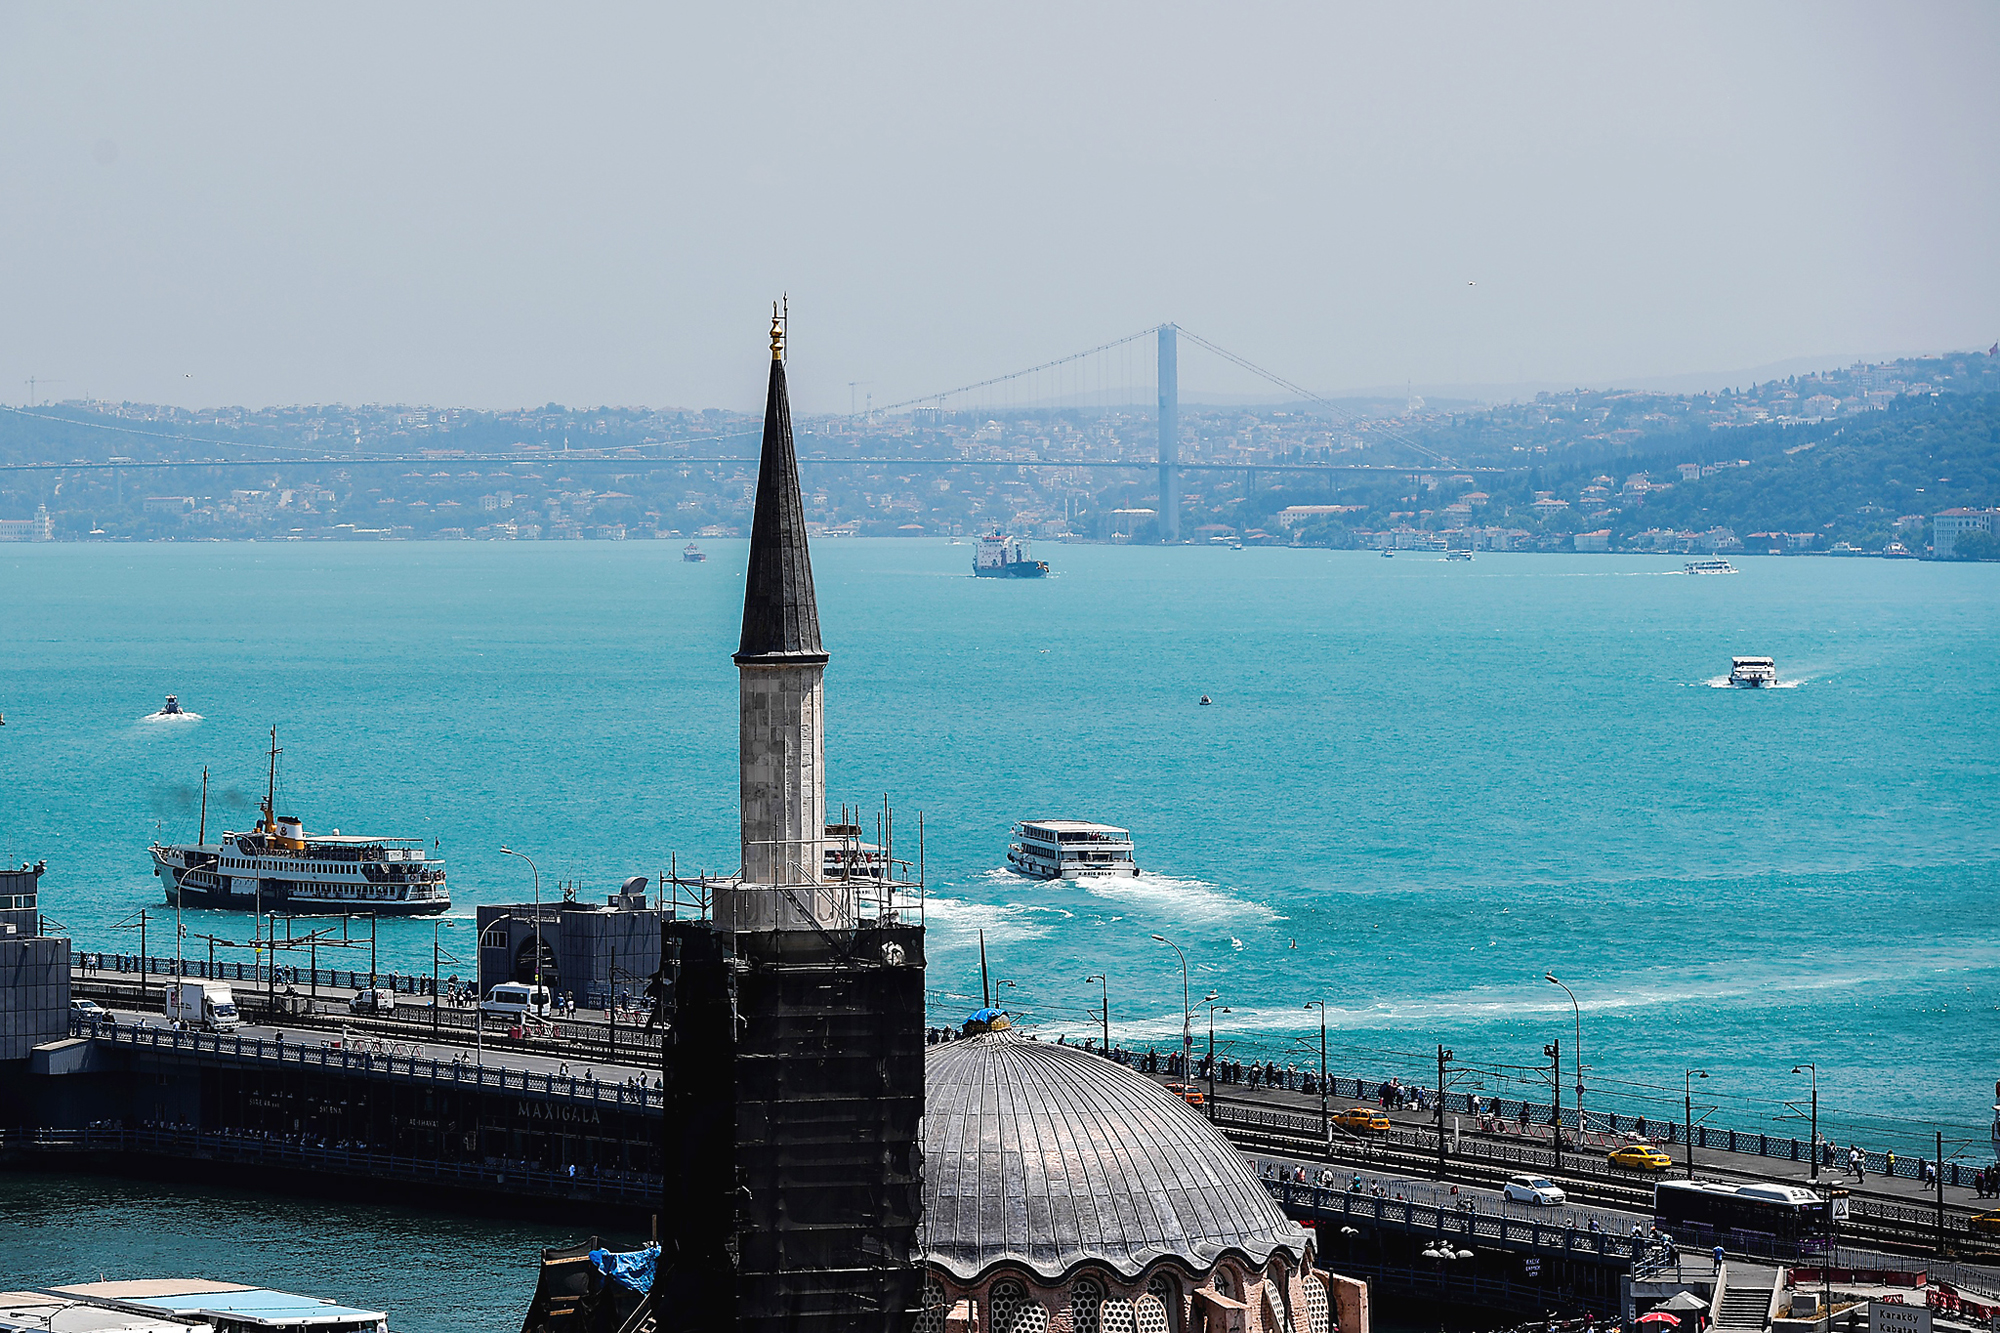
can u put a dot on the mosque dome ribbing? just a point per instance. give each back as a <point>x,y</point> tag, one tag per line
<point>1048,1158</point>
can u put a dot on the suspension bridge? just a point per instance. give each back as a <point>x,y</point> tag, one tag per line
<point>1109,377</point>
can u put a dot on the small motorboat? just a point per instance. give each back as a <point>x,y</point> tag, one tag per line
<point>1206,701</point>
<point>171,711</point>
<point>1751,673</point>
<point>693,554</point>
<point>1388,554</point>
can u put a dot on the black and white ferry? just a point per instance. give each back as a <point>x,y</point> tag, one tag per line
<point>1752,673</point>
<point>279,867</point>
<point>1071,849</point>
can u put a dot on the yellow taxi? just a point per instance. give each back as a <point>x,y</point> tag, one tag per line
<point>1188,1093</point>
<point>1363,1120</point>
<point>1639,1157</point>
<point>1985,1223</point>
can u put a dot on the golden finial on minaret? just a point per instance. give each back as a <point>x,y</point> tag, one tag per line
<point>777,334</point>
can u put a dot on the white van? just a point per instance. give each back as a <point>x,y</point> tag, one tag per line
<point>516,999</point>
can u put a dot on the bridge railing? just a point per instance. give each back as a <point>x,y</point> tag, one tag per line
<point>381,1059</point>
<point>590,995</point>
<point>1279,1129</point>
<point>247,1149</point>
<point>1332,1206</point>
<point>1599,1129</point>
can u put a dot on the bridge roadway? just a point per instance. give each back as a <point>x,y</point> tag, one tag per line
<point>652,464</point>
<point>1890,1211</point>
<point>414,1058</point>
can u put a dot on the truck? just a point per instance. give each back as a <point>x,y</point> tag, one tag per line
<point>202,1004</point>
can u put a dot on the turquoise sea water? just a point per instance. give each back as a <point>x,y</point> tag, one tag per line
<point>432,1274</point>
<point>1420,787</point>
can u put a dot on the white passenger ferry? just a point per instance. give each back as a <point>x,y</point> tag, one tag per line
<point>1070,849</point>
<point>278,867</point>
<point>1752,673</point>
<point>1708,567</point>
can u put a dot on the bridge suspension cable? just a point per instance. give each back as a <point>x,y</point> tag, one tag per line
<point>1304,392</point>
<point>1022,374</point>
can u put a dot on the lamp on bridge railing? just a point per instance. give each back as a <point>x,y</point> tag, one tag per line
<point>1687,1108</point>
<point>1209,1002</point>
<point>1325,1118</point>
<point>1576,1055</point>
<point>1104,1013</point>
<point>1800,1069</point>
<point>1187,1012</point>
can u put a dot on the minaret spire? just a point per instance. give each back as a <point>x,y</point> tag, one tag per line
<point>780,614</point>
<point>781,665</point>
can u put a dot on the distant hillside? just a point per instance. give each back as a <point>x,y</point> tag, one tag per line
<point>1919,457</point>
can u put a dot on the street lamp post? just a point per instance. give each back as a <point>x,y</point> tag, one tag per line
<point>1814,1069</point>
<point>509,851</point>
<point>1325,1118</point>
<point>1210,1003</point>
<point>1554,1050</point>
<point>1687,1111</point>
<point>1104,1013</point>
<point>1187,1012</point>
<point>1576,1054</point>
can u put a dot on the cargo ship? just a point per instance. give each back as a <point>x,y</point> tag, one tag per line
<point>1002,557</point>
<point>278,867</point>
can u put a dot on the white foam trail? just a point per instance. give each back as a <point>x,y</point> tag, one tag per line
<point>1191,898</point>
<point>1722,683</point>
<point>182,716</point>
<point>1004,923</point>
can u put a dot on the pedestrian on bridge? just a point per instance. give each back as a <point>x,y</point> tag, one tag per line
<point>1718,1258</point>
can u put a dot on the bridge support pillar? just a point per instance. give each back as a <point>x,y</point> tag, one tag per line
<point>1170,435</point>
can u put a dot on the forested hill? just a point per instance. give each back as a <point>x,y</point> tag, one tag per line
<point>1919,457</point>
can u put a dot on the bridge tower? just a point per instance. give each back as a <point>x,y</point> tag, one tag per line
<point>1170,435</point>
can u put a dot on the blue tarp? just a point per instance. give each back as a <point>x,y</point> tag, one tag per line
<point>985,1015</point>
<point>633,1268</point>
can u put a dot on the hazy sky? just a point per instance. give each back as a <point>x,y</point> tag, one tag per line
<point>495,205</point>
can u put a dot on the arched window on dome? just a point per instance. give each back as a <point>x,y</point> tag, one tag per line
<point>1003,1302</point>
<point>1010,1309</point>
<point>1278,1295</point>
<point>1086,1305</point>
<point>936,1307</point>
<point>1224,1284</point>
<point>1318,1316</point>
<point>1166,1291</point>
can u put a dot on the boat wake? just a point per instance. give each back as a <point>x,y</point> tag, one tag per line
<point>1722,683</point>
<point>182,716</point>
<point>963,919</point>
<point>1190,899</point>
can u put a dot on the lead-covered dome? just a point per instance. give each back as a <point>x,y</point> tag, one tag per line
<point>1047,1157</point>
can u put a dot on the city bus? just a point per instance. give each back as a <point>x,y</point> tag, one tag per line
<point>1756,1216</point>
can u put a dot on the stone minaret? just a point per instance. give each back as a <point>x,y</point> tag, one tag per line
<point>781,666</point>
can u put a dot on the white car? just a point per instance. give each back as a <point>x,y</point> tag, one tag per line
<point>90,1009</point>
<point>1535,1190</point>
